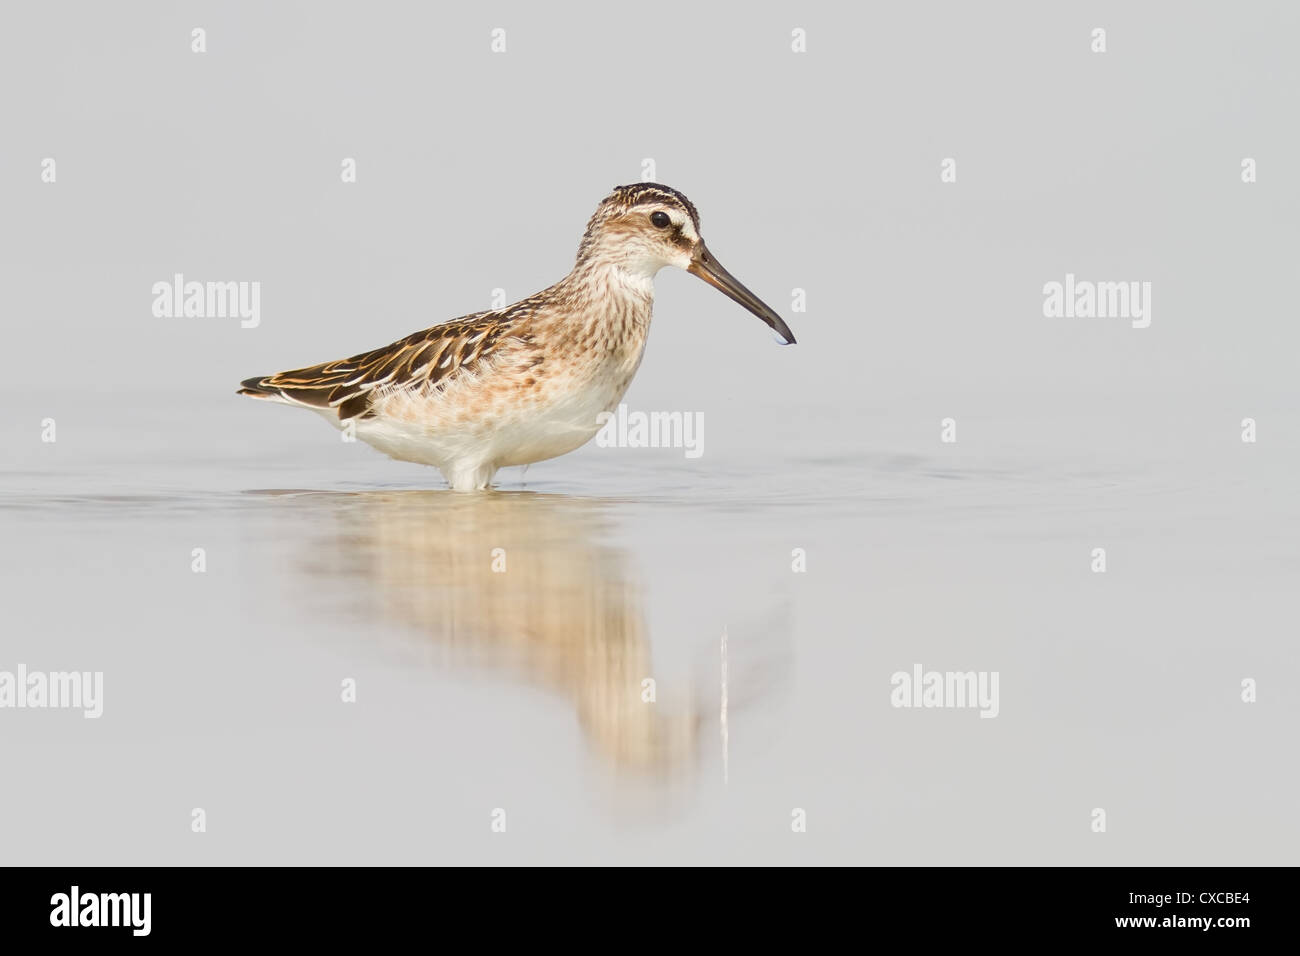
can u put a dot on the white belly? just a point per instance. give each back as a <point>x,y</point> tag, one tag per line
<point>469,437</point>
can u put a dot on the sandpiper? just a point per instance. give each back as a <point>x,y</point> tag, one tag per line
<point>527,382</point>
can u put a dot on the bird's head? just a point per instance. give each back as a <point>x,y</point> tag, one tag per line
<point>642,227</point>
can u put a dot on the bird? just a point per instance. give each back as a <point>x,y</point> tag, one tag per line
<point>530,381</point>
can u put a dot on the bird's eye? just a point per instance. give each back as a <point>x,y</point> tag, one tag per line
<point>660,220</point>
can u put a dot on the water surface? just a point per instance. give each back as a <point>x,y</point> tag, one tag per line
<point>500,643</point>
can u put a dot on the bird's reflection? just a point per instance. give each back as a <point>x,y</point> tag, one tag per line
<point>524,582</point>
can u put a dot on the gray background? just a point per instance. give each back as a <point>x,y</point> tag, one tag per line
<point>818,171</point>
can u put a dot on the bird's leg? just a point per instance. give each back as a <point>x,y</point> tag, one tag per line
<point>470,477</point>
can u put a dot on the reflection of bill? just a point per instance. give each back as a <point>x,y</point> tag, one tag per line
<point>520,581</point>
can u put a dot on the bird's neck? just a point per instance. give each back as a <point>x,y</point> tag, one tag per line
<point>607,280</point>
<point>606,303</point>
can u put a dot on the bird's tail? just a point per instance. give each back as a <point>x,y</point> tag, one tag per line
<point>257,388</point>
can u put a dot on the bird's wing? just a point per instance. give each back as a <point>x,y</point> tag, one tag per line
<point>428,359</point>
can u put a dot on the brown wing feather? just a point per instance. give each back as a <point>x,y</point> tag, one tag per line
<point>424,359</point>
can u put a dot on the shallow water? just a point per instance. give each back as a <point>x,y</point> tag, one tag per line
<point>499,642</point>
